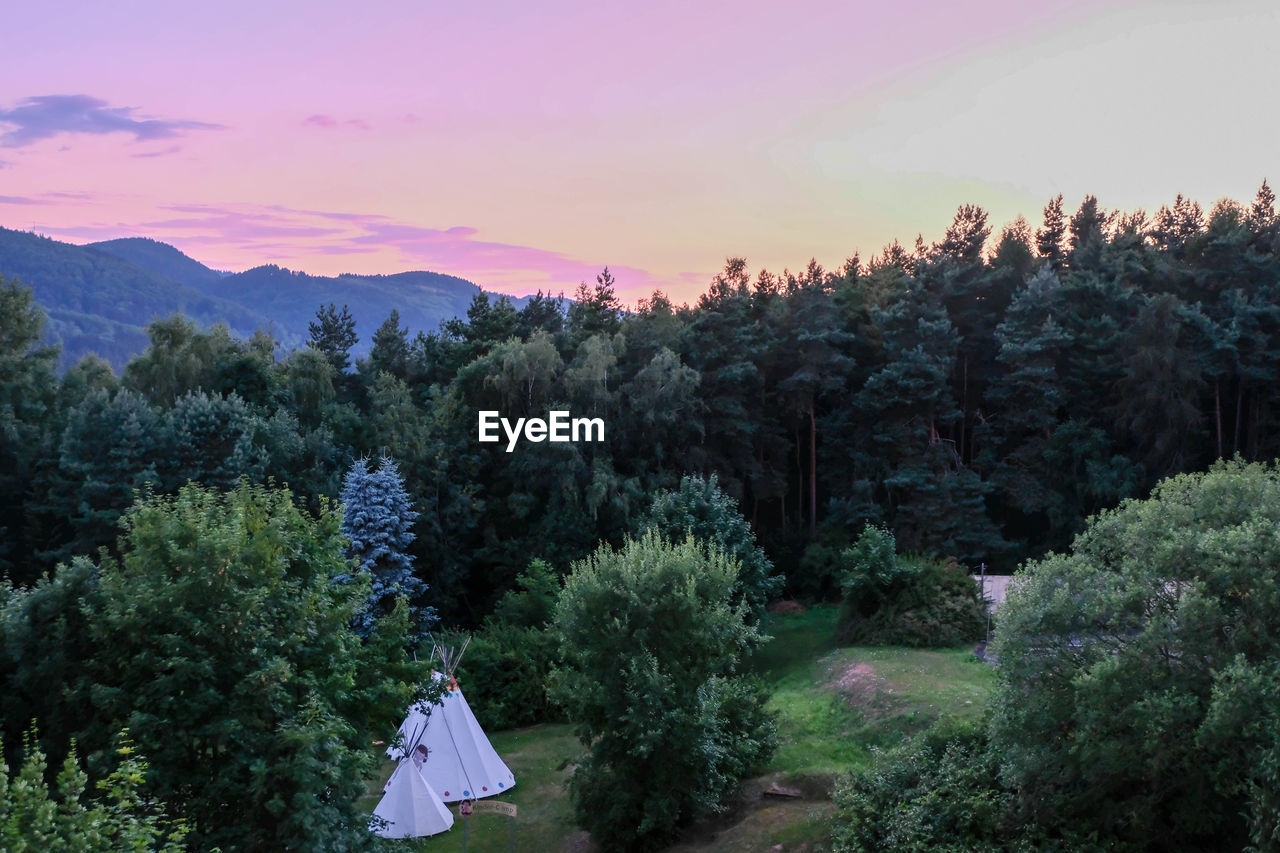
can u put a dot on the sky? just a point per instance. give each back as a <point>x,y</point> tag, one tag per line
<point>525,146</point>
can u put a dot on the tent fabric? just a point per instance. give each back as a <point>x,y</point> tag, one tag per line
<point>461,763</point>
<point>409,806</point>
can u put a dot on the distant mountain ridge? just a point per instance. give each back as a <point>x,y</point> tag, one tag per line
<point>100,297</point>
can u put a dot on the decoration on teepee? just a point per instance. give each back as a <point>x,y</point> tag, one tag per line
<point>463,764</point>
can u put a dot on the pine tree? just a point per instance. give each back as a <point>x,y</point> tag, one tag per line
<point>376,519</point>
<point>595,309</point>
<point>26,397</point>
<point>333,334</point>
<point>1049,238</point>
<point>390,350</point>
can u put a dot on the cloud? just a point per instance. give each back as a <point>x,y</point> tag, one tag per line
<point>172,149</point>
<point>328,122</point>
<point>46,116</point>
<point>238,224</point>
<point>17,199</point>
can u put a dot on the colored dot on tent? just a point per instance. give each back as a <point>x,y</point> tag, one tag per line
<point>501,785</point>
<point>446,793</point>
<point>485,788</point>
<point>466,793</point>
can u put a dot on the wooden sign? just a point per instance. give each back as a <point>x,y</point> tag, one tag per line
<point>508,809</point>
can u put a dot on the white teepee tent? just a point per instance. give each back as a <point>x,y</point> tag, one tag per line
<point>409,806</point>
<point>462,764</point>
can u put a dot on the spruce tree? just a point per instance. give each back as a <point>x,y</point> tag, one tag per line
<point>376,519</point>
<point>390,350</point>
<point>1049,238</point>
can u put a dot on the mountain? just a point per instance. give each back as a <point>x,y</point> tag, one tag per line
<point>99,302</point>
<point>100,297</point>
<point>161,258</point>
<point>291,298</point>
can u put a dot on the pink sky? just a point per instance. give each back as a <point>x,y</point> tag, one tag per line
<point>526,145</point>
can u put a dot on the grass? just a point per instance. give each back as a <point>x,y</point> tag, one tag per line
<point>833,705</point>
<point>538,757</point>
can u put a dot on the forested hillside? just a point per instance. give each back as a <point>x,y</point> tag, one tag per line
<point>99,302</point>
<point>100,297</point>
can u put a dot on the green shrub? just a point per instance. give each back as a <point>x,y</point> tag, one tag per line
<point>1139,678</point>
<point>905,601</point>
<point>34,819</point>
<point>219,639</point>
<point>652,646</point>
<point>940,791</point>
<point>504,672</point>
<point>700,509</point>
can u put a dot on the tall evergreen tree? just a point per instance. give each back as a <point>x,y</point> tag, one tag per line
<point>334,334</point>
<point>377,517</point>
<point>389,352</point>
<point>26,397</point>
<point>1049,238</point>
<point>595,309</point>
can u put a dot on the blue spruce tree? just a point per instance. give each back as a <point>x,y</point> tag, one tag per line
<point>376,518</point>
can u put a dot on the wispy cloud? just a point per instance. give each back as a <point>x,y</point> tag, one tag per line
<point>46,116</point>
<point>172,149</point>
<point>18,199</point>
<point>328,122</point>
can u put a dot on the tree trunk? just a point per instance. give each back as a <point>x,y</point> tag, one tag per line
<point>1217,414</point>
<point>1235,448</point>
<point>964,406</point>
<point>800,481</point>
<point>813,473</point>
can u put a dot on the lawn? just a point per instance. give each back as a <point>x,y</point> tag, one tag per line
<point>833,705</point>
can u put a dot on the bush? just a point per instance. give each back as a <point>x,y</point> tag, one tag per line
<point>701,510</point>
<point>940,791</point>
<point>220,641</point>
<point>504,674</point>
<point>508,660</point>
<point>906,601</point>
<point>34,819</point>
<point>1139,679</point>
<point>652,645</point>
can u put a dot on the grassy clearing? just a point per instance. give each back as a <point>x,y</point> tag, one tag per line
<point>538,757</point>
<point>833,705</point>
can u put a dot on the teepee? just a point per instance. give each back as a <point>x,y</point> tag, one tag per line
<point>462,764</point>
<point>409,806</point>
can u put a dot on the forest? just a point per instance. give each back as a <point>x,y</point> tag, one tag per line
<point>977,399</point>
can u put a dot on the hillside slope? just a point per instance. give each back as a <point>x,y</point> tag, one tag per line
<point>99,302</point>
<point>100,297</point>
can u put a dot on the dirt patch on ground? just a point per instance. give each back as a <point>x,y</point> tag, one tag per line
<point>785,606</point>
<point>580,842</point>
<point>751,816</point>
<point>860,686</point>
